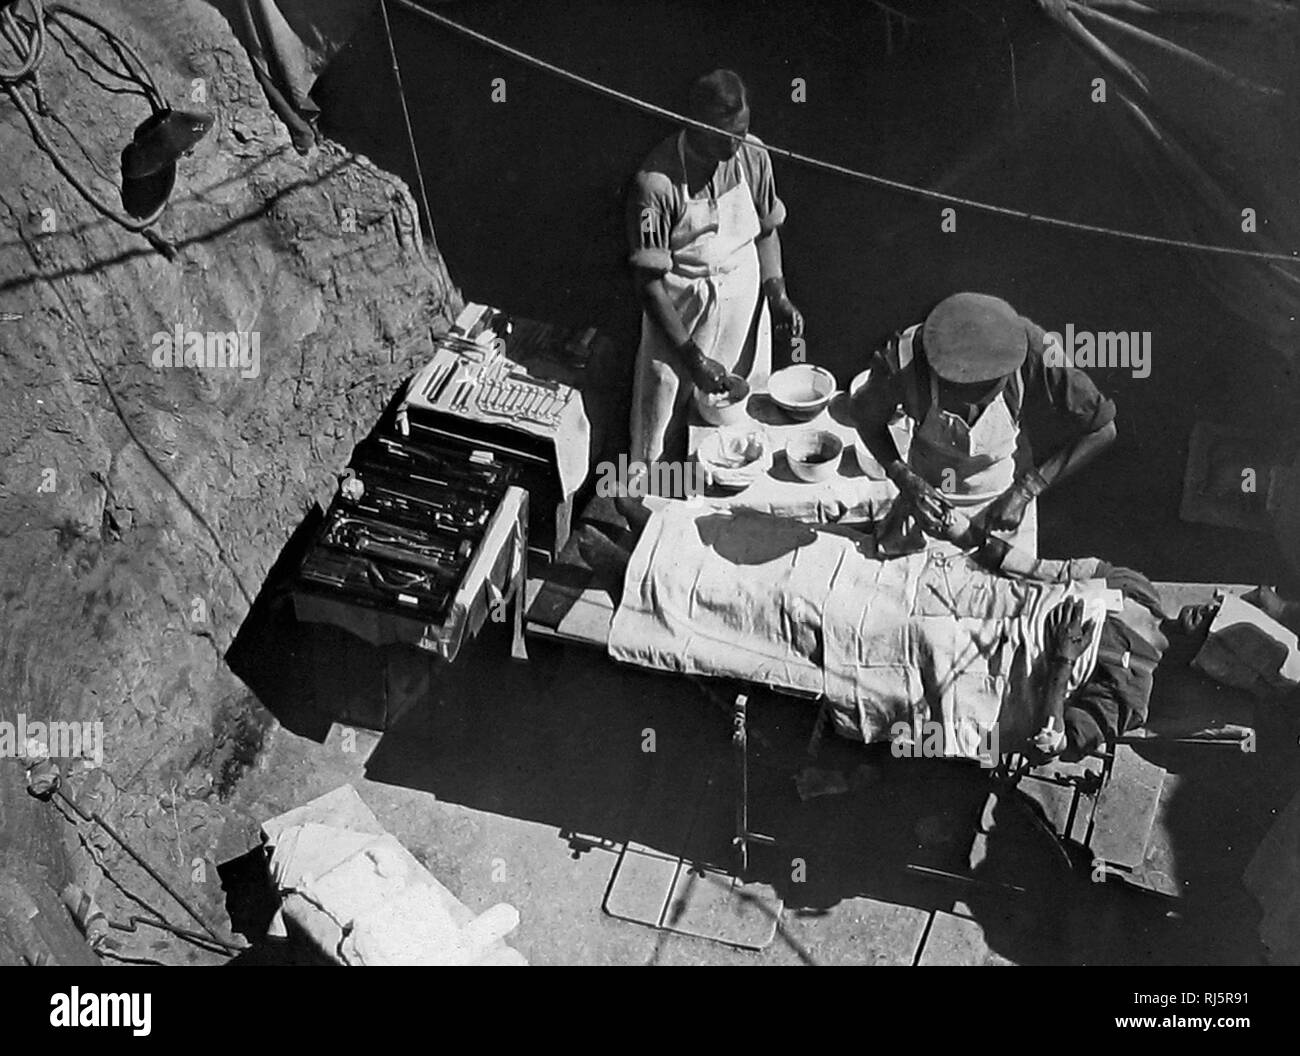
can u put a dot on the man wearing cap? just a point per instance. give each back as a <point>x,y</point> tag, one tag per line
<point>966,378</point>
<point>703,215</point>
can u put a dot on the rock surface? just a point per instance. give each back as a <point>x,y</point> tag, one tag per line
<point>141,506</point>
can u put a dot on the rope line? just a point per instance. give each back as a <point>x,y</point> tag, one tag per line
<point>833,167</point>
<point>410,132</point>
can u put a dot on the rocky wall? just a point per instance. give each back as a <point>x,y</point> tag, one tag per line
<point>141,503</point>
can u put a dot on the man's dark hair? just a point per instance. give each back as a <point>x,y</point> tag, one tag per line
<point>721,92</point>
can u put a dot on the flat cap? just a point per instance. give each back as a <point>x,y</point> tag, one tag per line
<point>972,337</point>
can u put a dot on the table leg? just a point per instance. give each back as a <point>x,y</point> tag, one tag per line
<point>740,744</point>
<point>518,648</point>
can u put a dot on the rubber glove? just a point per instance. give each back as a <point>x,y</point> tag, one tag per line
<point>933,512</point>
<point>708,374</point>
<point>1008,510</point>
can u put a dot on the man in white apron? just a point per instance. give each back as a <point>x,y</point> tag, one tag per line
<point>703,219</point>
<point>965,378</point>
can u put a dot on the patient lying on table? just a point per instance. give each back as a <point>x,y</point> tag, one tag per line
<point>998,651</point>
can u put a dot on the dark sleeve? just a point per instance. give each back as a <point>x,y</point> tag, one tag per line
<point>1116,697</point>
<point>650,218</point>
<point>1083,736</point>
<point>1101,709</point>
<point>770,208</point>
<point>1065,392</point>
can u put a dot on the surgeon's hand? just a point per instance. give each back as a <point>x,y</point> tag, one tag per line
<point>708,374</point>
<point>1067,634</point>
<point>1008,509</point>
<point>932,510</point>
<point>957,528</point>
<point>786,318</point>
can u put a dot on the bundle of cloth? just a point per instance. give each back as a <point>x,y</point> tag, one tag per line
<point>360,898</point>
<point>933,646</point>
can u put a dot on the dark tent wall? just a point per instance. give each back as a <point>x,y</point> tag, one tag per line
<point>983,100</point>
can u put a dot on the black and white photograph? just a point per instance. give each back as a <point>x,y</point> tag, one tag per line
<point>651,483</point>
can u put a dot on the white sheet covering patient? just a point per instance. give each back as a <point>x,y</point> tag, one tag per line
<point>928,640</point>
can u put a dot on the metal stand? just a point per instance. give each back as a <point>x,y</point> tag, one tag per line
<point>740,746</point>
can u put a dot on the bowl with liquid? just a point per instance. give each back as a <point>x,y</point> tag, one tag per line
<point>814,455</point>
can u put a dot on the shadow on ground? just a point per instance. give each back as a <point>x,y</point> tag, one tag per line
<point>608,755</point>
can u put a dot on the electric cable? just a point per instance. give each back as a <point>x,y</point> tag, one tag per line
<point>29,41</point>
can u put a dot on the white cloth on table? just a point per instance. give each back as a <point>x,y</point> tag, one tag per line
<point>849,497</point>
<point>854,493</point>
<point>930,638</point>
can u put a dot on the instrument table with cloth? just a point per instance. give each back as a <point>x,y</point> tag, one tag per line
<point>854,495</point>
<point>521,397</point>
<point>564,604</point>
<point>858,493</point>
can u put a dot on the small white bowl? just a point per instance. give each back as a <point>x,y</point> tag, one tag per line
<point>858,382</point>
<point>725,408</point>
<point>802,391</point>
<point>814,455</point>
<point>734,458</point>
<point>866,460</point>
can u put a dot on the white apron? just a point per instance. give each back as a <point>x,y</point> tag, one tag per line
<point>714,285</point>
<point>972,465</point>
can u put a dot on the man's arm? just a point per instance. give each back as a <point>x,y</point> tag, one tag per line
<point>1067,635</point>
<point>1052,740</point>
<point>784,313</point>
<point>1071,395</point>
<point>1067,639</point>
<point>1074,456</point>
<point>770,266</point>
<point>708,374</point>
<point>650,223</point>
<point>650,217</point>
<point>771,215</point>
<point>1006,513</point>
<point>873,407</point>
<point>880,442</point>
<point>659,306</point>
<point>997,555</point>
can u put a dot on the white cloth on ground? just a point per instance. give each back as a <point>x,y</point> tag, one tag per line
<point>361,898</point>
